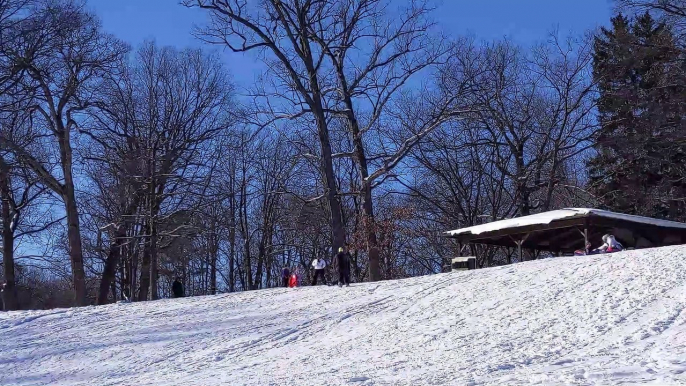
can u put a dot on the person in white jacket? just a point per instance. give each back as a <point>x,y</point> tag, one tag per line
<point>319,266</point>
<point>610,244</point>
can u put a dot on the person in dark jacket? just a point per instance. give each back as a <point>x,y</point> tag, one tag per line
<point>2,296</point>
<point>343,264</point>
<point>177,289</point>
<point>285,276</point>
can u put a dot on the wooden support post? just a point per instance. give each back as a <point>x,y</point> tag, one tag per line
<point>586,240</point>
<point>585,234</point>
<point>519,246</point>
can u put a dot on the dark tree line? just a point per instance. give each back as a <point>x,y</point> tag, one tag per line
<point>639,66</point>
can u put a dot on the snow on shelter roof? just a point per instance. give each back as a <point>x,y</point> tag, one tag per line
<point>561,214</point>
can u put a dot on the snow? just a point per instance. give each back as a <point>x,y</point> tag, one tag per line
<point>593,320</point>
<point>561,214</point>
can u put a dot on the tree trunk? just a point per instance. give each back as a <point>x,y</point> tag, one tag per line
<point>114,254</point>
<point>267,229</point>
<point>124,279</point>
<point>261,255</point>
<point>113,257</point>
<point>370,230</point>
<point>247,266</point>
<point>232,242</point>
<point>214,250</point>
<point>551,182</point>
<point>144,282</point>
<point>9,294</point>
<point>75,248</point>
<point>367,205</point>
<point>134,251</point>
<point>337,228</point>
<point>522,191</point>
<point>368,222</point>
<point>113,288</point>
<point>154,295</point>
<point>73,225</point>
<point>331,190</point>
<point>184,276</point>
<point>148,280</point>
<point>268,270</point>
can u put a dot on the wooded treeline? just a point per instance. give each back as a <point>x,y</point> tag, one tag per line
<point>123,168</point>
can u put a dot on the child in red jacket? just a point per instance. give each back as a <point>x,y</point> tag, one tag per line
<point>293,282</point>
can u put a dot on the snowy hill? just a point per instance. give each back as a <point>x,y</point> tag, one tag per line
<point>584,320</point>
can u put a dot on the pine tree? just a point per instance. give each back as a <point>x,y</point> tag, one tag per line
<point>639,167</point>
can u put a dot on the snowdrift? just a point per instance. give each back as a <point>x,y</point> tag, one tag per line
<point>583,320</point>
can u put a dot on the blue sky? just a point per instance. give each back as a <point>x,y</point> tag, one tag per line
<point>524,21</point>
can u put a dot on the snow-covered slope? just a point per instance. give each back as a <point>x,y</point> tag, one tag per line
<point>583,320</point>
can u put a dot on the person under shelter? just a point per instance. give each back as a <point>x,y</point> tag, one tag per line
<point>610,245</point>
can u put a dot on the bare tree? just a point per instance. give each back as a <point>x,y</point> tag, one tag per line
<point>11,17</point>
<point>517,153</point>
<point>400,48</point>
<point>673,11</point>
<point>345,61</point>
<point>8,13</point>
<point>113,200</point>
<point>281,29</point>
<point>11,209</point>
<point>535,114</point>
<point>64,55</point>
<point>158,125</point>
<point>21,195</point>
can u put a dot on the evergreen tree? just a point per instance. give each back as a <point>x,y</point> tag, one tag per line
<point>639,166</point>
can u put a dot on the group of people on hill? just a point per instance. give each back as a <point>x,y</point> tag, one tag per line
<point>290,278</point>
<point>610,245</point>
<point>341,262</point>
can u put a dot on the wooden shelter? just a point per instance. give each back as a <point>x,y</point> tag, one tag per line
<point>566,230</point>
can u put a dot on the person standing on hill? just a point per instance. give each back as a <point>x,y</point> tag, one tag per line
<point>319,266</point>
<point>2,296</point>
<point>293,282</point>
<point>342,261</point>
<point>285,276</point>
<point>177,289</point>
